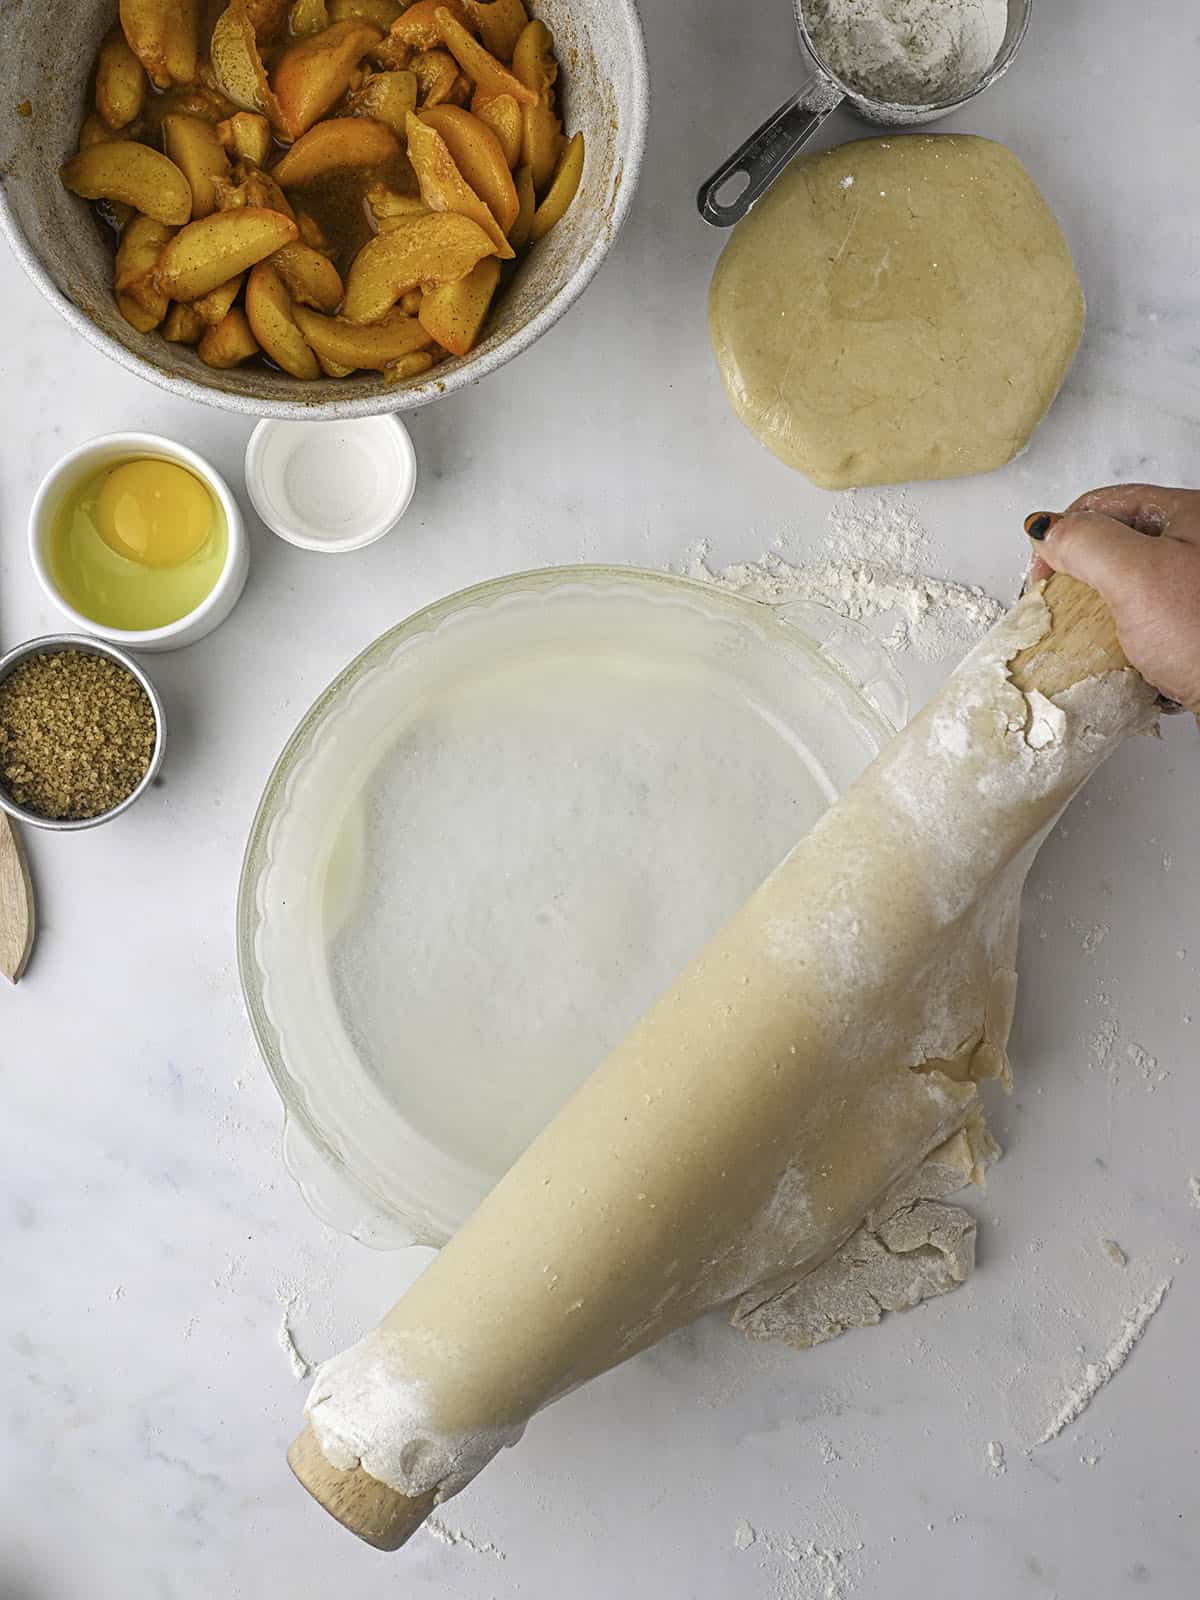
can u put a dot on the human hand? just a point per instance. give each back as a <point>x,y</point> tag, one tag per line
<point>1138,546</point>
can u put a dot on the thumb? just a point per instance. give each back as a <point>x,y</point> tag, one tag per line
<point>1111,557</point>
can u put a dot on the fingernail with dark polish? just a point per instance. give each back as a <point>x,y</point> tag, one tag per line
<point>1039,524</point>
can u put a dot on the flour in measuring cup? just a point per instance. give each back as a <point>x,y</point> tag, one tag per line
<point>908,52</point>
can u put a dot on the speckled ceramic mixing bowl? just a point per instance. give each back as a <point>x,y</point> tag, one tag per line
<point>45,70</point>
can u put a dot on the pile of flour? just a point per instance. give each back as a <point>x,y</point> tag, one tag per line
<point>872,567</point>
<point>908,52</point>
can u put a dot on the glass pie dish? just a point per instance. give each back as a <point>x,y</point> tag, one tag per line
<point>497,836</point>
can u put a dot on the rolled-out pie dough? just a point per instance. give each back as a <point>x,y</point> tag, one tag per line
<point>895,309</point>
<point>815,1053</point>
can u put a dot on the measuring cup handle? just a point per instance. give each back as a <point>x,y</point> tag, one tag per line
<point>767,151</point>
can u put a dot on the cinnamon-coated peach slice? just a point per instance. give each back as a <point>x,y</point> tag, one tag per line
<point>491,77</point>
<point>246,136</point>
<point>339,142</point>
<point>541,131</point>
<point>237,66</point>
<point>121,169</point>
<point>479,156</point>
<point>503,116</point>
<point>230,343</point>
<point>248,185</point>
<point>266,18</point>
<point>309,277</point>
<point>143,240</point>
<point>196,150</point>
<point>348,345</point>
<point>541,139</point>
<point>454,313</point>
<point>215,306</point>
<point>183,325</point>
<point>312,75</point>
<point>418,26</point>
<point>388,97</point>
<point>216,248</point>
<point>498,23</point>
<point>533,59</point>
<point>443,187</point>
<point>438,77</point>
<point>94,130</point>
<point>562,190</point>
<point>422,253</point>
<point>269,313</point>
<point>163,35</point>
<point>381,12</point>
<point>308,17</point>
<point>136,314</point>
<point>518,234</point>
<point>409,366</point>
<point>385,203</point>
<point>120,82</point>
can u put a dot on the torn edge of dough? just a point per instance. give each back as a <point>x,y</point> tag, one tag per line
<point>1047,722</point>
<point>910,1248</point>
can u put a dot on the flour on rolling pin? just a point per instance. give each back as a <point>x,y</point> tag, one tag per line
<point>829,1038</point>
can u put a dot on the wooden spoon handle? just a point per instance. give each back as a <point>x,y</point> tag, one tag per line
<point>17,920</point>
<point>381,1516</point>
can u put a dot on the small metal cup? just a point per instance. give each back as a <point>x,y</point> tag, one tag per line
<point>56,644</point>
<point>769,149</point>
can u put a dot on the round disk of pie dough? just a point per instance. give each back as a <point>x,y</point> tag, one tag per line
<point>896,309</point>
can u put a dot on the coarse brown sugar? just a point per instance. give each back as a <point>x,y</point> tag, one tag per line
<point>77,734</point>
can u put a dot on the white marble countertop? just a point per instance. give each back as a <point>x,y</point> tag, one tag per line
<point>149,1236</point>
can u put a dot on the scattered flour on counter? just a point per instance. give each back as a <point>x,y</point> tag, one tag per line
<point>743,1535</point>
<point>457,1538</point>
<point>300,1367</point>
<point>1147,1066</point>
<point>825,1564</point>
<point>871,567</point>
<point>995,1458</point>
<point>1097,1373</point>
<point>292,1302</point>
<point>1194,1192</point>
<point>1100,1047</point>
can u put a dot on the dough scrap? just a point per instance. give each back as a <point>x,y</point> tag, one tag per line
<point>896,309</point>
<point>910,1248</point>
<point>823,1043</point>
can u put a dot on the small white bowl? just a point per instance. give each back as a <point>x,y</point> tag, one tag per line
<point>331,486</point>
<point>110,448</point>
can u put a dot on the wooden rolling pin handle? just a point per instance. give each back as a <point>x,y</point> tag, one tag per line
<point>378,1515</point>
<point>1081,641</point>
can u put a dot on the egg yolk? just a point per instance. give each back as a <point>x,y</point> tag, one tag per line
<point>154,512</point>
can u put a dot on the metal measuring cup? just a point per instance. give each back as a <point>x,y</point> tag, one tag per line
<point>769,149</point>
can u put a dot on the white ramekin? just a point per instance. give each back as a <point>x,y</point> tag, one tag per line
<point>331,486</point>
<point>110,448</point>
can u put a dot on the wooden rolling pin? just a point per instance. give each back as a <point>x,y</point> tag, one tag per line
<point>492,1263</point>
<point>17,920</point>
